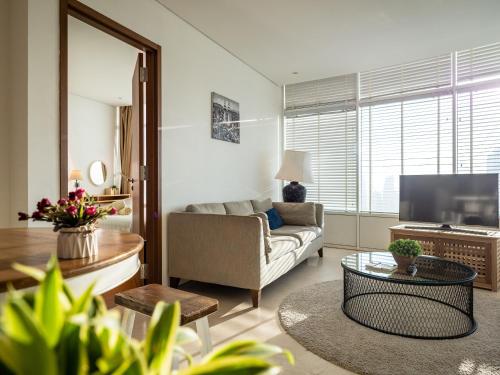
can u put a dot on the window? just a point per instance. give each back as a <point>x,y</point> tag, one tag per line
<point>439,115</point>
<point>321,119</point>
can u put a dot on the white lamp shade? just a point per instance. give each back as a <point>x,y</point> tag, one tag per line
<point>296,166</point>
<point>75,174</point>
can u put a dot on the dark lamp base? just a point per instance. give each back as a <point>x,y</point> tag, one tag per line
<point>294,193</point>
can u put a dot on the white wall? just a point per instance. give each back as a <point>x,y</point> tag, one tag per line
<point>195,167</point>
<point>91,132</point>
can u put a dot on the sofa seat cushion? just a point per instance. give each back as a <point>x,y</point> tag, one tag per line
<point>304,234</point>
<point>282,245</point>
<point>207,208</point>
<point>241,208</point>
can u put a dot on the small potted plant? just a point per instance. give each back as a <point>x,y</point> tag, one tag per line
<point>405,252</point>
<point>74,217</point>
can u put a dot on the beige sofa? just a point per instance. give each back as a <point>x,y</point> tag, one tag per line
<point>230,243</point>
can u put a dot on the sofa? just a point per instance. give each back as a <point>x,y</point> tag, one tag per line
<point>231,244</point>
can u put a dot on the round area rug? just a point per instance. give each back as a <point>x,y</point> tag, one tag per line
<point>313,317</point>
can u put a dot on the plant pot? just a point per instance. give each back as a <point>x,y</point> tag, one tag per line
<point>403,262</point>
<point>79,242</point>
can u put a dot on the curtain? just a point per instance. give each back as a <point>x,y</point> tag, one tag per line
<point>125,147</point>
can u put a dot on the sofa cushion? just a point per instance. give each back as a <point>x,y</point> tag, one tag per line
<point>207,208</point>
<point>297,213</point>
<point>304,234</point>
<point>275,220</point>
<point>262,206</point>
<point>282,245</point>
<point>242,208</point>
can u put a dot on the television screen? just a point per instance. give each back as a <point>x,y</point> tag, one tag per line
<point>460,199</point>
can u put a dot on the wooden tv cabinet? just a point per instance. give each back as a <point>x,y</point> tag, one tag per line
<point>479,251</point>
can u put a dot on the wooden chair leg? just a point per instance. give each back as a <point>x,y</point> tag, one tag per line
<point>128,319</point>
<point>203,331</point>
<point>174,282</point>
<point>320,253</point>
<point>256,293</point>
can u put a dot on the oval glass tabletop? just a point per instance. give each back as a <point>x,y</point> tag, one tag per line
<point>430,270</point>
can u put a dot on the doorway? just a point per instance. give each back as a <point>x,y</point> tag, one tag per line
<point>142,181</point>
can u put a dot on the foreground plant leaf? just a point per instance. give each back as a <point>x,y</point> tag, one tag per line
<point>249,348</point>
<point>161,336</point>
<point>234,366</point>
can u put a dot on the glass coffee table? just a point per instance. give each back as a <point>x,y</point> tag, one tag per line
<point>436,303</point>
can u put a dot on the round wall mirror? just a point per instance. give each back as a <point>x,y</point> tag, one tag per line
<point>97,173</point>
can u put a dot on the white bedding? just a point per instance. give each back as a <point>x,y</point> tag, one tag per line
<point>116,222</point>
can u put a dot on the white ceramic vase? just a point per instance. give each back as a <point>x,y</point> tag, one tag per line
<point>79,242</point>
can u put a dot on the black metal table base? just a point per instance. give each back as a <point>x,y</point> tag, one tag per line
<point>429,311</point>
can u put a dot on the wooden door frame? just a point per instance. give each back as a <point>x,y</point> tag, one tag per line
<point>152,51</point>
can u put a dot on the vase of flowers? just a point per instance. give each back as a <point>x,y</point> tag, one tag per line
<point>74,218</point>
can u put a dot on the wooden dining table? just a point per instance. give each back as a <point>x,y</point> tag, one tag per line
<point>116,262</point>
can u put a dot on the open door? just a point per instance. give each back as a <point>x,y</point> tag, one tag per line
<point>135,179</point>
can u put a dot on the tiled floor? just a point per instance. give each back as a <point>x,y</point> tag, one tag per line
<point>237,318</point>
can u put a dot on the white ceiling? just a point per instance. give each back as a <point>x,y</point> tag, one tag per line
<point>100,67</point>
<point>323,38</point>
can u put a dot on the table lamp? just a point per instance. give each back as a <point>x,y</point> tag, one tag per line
<point>76,175</point>
<point>296,167</point>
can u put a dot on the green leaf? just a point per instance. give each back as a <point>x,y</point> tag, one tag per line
<point>249,348</point>
<point>23,347</point>
<point>72,353</point>
<point>83,303</point>
<point>48,307</point>
<point>33,272</point>
<point>232,366</point>
<point>161,336</point>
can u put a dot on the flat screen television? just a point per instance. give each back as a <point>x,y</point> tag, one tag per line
<point>459,199</point>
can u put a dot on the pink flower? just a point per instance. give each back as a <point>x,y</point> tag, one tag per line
<point>71,210</point>
<point>37,215</point>
<point>112,211</point>
<point>90,211</point>
<point>23,216</point>
<point>62,202</point>
<point>45,202</point>
<point>79,193</point>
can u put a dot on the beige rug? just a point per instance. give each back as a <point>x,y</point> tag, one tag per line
<point>313,317</point>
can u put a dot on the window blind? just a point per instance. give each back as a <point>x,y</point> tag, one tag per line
<point>320,95</point>
<point>406,137</point>
<point>331,138</point>
<point>478,131</point>
<point>478,64</point>
<point>406,78</point>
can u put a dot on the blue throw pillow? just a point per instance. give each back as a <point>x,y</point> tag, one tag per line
<point>275,220</point>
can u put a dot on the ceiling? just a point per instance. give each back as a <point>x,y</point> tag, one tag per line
<point>100,67</point>
<point>323,38</point>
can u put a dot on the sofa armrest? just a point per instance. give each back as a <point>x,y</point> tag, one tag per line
<point>320,215</point>
<point>220,249</point>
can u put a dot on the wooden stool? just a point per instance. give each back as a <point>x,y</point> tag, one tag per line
<point>193,308</point>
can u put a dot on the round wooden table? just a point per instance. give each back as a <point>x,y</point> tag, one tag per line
<point>117,260</point>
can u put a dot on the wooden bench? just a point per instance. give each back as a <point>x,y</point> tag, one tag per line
<point>194,308</point>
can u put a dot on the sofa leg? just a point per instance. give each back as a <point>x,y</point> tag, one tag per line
<point>320,253</point>
<point>255,297</point>
<point>174,282</point>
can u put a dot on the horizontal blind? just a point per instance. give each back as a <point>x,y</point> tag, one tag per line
<point>320,95</point>
<point>331,138</point>
<point>406,78</point>
<point>478,64</point>
<point>478,131</point>
<point>406,137</point>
